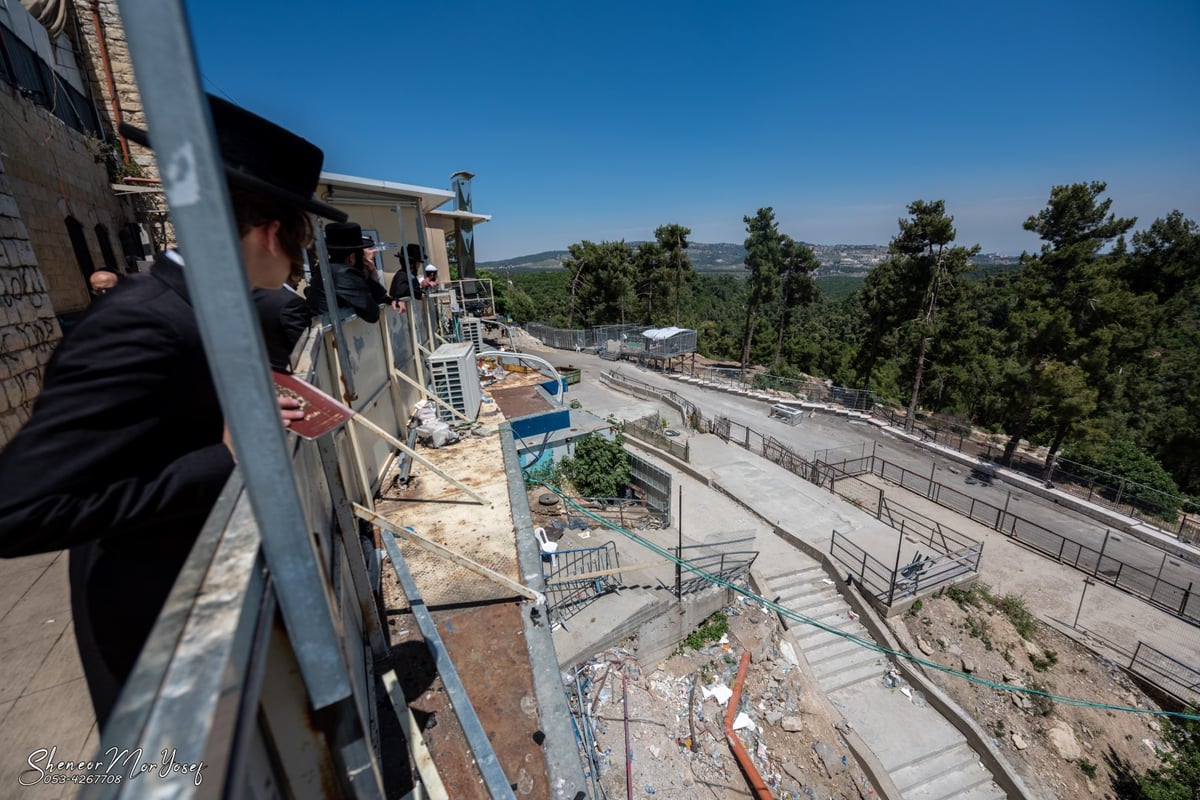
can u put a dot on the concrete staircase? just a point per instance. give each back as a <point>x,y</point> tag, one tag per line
<point>926,757</point>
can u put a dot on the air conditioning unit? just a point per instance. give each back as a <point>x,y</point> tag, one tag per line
<point>456,380</point>
<point>472,331</point>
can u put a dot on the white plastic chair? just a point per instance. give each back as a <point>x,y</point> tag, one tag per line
<point>548,547</point>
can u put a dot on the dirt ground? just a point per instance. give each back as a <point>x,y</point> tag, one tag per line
<point>1066,751</point>
<point>677,745</point>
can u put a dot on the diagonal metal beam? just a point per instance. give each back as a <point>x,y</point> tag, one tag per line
<point>427,544</point>
<point>433,397</point>
<point>185,145</point>
<point>477,739</point>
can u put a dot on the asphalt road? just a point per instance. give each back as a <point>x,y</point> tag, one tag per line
<point>1146,568</point>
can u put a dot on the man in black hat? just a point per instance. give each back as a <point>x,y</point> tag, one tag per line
<point>410,282</point>
<point>127,449</point>
<point>353,274</point>
<point>285,318</point>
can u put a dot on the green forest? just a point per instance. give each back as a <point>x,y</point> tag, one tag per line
<point>1089,347</point>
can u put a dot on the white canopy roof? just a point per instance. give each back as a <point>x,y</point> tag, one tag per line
<point>662,333</point>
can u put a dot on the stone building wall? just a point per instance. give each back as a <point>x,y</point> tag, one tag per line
<point>151,207</point>
<point>29,329</point>
<point>55,172</point>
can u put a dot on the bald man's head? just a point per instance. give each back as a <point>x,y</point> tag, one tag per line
<point>102,280</point>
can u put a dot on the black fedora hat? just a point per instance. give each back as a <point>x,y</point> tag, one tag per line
<point>262,157</point>
<point>343,237</point>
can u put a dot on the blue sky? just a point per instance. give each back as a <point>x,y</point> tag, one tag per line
<point>603,121</point>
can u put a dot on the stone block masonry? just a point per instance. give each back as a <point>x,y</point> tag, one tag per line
<point>29,329</point>
<point>54,172</point>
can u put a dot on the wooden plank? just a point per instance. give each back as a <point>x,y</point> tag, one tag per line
<point>587,576</point>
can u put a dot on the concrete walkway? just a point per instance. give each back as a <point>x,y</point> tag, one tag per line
<point>43,698</point>
<point>926,757</point>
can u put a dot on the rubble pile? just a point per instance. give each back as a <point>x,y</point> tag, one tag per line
<point>672,715</point>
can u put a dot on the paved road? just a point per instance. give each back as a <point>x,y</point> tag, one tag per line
<point>1159,572</point>
<point>849,438</point>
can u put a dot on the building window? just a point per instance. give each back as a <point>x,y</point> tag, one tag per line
<point>106,249</point>
<point>83,256</point>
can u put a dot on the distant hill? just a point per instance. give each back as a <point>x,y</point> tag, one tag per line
<point>835,259</point>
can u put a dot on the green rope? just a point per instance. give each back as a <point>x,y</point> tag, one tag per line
<point>866,643</point>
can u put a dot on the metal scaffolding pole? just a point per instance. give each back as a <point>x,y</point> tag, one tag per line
<point>194,182</point>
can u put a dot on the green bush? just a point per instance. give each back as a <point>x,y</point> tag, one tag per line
<point>1178,776</point>
<point>1046,663</point>
<point>1148,482</point>
<point>599,468</point>
<point>712,630</point>
<point>1014,608</point>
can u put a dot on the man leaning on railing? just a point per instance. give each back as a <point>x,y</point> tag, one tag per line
<point>127,447</point>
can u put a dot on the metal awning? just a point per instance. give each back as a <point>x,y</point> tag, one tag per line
<point>334,187</point>
<point>446,220</point>
<point>466,216</point>
<point>124,188</point>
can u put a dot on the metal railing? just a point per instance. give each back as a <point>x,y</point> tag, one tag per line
<point>879,579</point>
<point>582,338</point>
<point>816,390</point>
<point>888,584</point>
<point>567,595</point>
<point>1165,511</point>
<point>875,577</point>
<point>628,512</point>
<point>1181,680</point>
<point>689,412</point>
<point>727,566</point>
<point>650,430</point>
<point>1177,599</point>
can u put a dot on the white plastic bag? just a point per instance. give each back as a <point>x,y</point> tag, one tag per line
<point>436,434</point>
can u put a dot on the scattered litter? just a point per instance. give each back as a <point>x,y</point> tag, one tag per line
<point>719,692</point>
<point>742,720</point>
<point>907,692</point>
<point>826,581</point>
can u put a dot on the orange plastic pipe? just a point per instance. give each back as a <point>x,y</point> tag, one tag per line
<point>757,785</point>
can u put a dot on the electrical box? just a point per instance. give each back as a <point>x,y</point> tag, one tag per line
<point>455,376</point>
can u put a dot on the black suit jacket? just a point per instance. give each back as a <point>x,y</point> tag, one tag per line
<point>354,290</point>
<point>405,284</point>
<point>121,461</point>
<point>285,317</point>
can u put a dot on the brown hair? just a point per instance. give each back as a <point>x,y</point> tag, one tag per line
<point>295,226</point>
